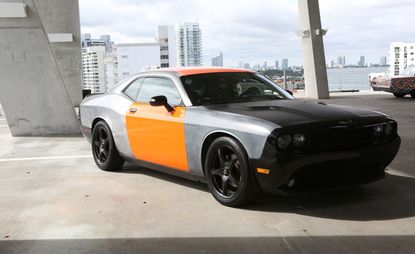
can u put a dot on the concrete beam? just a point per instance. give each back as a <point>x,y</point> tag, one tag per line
<point>311,33</point>
<point>41,80</point>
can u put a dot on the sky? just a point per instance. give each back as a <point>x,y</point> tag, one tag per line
<point>255,31</point>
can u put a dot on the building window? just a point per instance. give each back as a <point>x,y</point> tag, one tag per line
<point>124,56</point>
<point>164,65</point>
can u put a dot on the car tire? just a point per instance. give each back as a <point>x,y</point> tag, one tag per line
<point>228,173</point>
<point>399,95</point>
<point>413,94</point>
<point>104,151</point>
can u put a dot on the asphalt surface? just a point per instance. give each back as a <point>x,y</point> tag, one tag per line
<point>53,199</point>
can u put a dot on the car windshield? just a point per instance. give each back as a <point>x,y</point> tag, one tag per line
<point>233,87</point>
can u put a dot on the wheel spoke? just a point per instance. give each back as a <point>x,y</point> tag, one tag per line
<point>105,152</point>
<point>100,156</point>
<point>225,185</point>
<point>96,143</point>
<point>215,172</point>
<point>103,155</point>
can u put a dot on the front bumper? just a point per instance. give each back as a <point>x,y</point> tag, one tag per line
<point>325,170</point>
<point>382,89</point>
<point>86,132</point>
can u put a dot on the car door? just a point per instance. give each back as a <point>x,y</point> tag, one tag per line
<point>156,135</point>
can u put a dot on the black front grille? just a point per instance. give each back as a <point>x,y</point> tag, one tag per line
<point>339,138</point>
<point>332,175</point>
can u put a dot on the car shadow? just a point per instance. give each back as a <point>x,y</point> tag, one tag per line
<point>388,199</point>
<point>131,168</point>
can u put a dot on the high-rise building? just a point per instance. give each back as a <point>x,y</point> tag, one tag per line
<point>401,56</point>
<point>241,64</point>
<point>361,61</point>
<point>247,66</point>
<point>265,66</point>
<point>136,57</point>
<point>189,44</point>
<point>341,60</point>
<point>111,68</point>
<point>218,60</point>
<point>93,69</point>
<point>256,67</point>
<point>383,60</point>
<point>104,40</point>
<point>284,64</point>
<point>277,65</point>
<point>167,40</point>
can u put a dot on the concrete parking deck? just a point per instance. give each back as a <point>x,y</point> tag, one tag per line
<point>53,199</point>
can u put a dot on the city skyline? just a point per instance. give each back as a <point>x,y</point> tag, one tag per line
<point>258,31</point>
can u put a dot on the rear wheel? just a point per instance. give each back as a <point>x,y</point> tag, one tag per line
<point>104,151</point>
<point>228,172</point>
<point>399,95</point>
<point>413,94</point>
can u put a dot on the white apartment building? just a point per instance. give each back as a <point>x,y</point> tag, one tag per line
<point>93,69</point>
<point>104,40</point>
<point>135,57</point>
<point>189,44</point>
<point>401,56</point>
<point>111,68</point>
<point>167,40</point>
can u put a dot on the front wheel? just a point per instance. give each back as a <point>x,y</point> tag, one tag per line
<point>104,151</point>
<point>228,172</point>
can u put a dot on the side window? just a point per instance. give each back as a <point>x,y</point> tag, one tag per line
<point>159,86</point>
<point>132,89</point>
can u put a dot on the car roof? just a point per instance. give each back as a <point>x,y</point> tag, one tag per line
<point>185,71</point>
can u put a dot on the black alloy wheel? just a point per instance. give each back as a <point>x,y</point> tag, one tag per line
<point>228,172</point>
<point>104,151</point>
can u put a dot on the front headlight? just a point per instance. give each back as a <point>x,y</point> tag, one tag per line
<point>377,130</point>
<point>388,129</point>
<point>299,140</point>
<point>283,141</point>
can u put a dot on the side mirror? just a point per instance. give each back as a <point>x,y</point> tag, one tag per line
<point>288,91</point>
<point>161,100</point>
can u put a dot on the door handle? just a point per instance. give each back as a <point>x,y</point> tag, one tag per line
<point>133,110</point>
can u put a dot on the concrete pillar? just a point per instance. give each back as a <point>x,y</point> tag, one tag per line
<point>40,66</point>
<point>311,34</point>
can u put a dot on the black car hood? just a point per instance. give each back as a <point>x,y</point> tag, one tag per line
<point>292,112</point>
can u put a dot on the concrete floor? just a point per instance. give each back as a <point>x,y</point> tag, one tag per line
<point>53,199</point>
